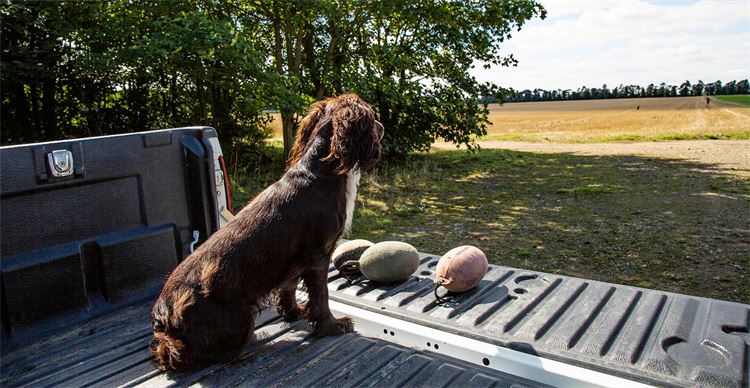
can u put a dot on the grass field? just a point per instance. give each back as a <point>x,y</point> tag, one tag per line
<point>656,223</point>
<point>741,99</point>
<point>637,119</point>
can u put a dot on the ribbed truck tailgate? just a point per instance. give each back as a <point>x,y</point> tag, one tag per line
<point>642,335</point>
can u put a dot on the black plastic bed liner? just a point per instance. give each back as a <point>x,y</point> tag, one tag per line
<point>643,335</point>
<point>84,256</point>
<point>104,237</point>
<point>112,351</point>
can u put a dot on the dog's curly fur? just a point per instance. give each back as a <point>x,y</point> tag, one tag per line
<point>207,309</point>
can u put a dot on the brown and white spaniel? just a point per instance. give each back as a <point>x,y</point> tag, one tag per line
<point>207,309</point>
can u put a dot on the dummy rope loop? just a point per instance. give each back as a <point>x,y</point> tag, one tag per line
<point>439,298</point>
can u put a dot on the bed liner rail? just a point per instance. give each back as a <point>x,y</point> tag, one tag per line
<point>637,334</point>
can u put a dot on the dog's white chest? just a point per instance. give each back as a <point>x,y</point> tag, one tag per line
<point>352,181</point>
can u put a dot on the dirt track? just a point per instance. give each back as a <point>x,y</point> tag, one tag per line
<point>727,156</point>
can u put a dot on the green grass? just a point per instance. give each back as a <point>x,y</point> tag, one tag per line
<point>741,135</point>
<point>647,222</point>
<point>740,99</point>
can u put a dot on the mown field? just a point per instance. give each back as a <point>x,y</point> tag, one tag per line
<point>657,223</point>
<point>741,99</point>
<point>636,119</point>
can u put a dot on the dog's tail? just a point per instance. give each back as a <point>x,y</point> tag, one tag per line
<point>166,349</point>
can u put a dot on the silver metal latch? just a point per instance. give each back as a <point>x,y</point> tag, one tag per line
<point>60,163</point>
<point>196,237</point>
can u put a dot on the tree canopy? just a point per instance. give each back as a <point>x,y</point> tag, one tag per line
<point>72,69</point>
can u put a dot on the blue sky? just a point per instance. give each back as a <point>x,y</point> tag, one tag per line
<point>628,42</point>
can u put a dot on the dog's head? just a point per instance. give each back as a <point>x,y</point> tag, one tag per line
<point>354,133</point>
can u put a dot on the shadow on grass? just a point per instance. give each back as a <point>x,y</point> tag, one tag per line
<point>667,224</point>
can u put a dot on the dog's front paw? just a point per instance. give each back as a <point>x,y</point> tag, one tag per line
<point>333,327</point>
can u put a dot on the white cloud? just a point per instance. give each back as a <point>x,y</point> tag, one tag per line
<point>630,42</point>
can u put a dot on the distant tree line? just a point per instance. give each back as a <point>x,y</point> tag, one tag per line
<point>83,68</point>
<point>629,91</point>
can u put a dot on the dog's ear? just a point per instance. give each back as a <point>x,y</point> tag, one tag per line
<point>355,142</point>
<point>305,131</point>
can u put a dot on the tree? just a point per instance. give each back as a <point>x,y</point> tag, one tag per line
<point>291,32</point>
<point>411,59</point>
<point>111,67</point>
<point>743,87</point>
<point>34,44</point>
<point>714,88</point>
<point>662,90</point>
<point>685,88</point>
<point>585,93</point>
<point>698,88</point>
<point>729,87</point>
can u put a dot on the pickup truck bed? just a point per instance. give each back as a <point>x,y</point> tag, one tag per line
<point>112,351</point>
<point>83,258</point>
<point>640,335</point>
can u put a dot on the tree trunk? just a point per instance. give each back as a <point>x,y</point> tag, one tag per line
<point>22,108</point>
<point>221,120</point>
<point>18,124</point>
<point>142,103</point>
<point>336,56</point>
<point>287,116</point>
<point>288,128</point>
<point>49,114</point>
<point>318,89</point>
<point>36,127</point>
<point>201,101</point>
<point>384,109</point>
<point>173,97</point>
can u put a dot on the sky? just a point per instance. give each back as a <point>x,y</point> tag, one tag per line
<point>617,42</point>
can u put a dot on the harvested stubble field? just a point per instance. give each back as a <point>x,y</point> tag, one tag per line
<point>631,119</point>
<point>616,120</point>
